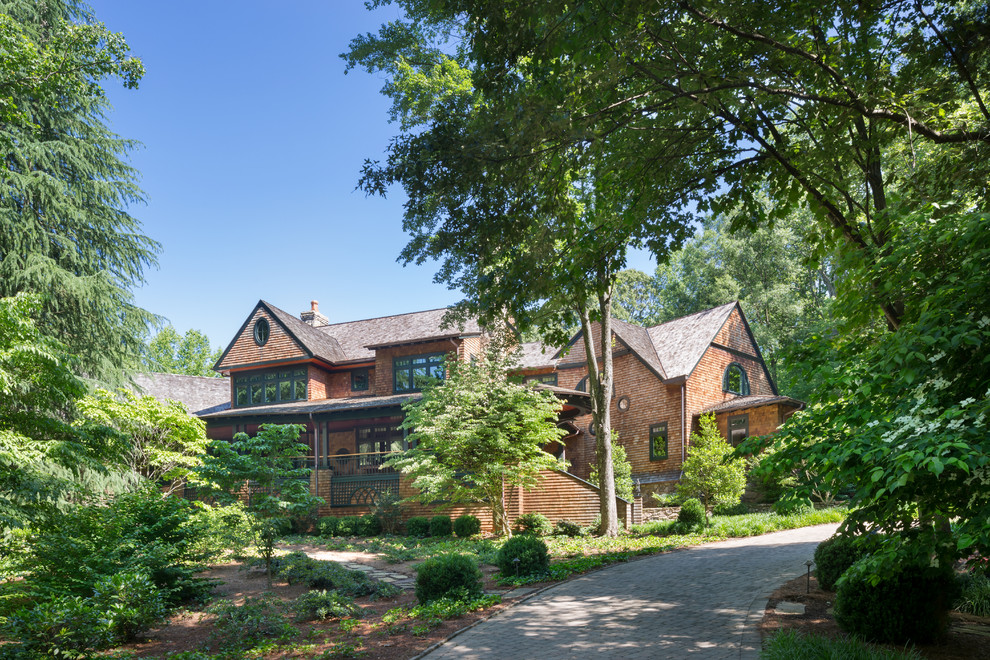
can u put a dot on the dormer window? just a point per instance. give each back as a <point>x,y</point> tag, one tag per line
<point>412,372</point>
<point>261,332</point>
<point>735,380</point>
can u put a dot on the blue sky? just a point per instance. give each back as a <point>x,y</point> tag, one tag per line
<point>253,140</point>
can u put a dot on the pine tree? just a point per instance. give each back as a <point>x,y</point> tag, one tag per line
<point>65,187</point>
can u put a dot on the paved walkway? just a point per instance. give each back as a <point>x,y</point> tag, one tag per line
<point>703,602</point>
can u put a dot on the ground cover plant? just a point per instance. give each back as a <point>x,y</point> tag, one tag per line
<point>791,645</point>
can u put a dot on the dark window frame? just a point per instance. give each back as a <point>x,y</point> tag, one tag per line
<point>734,421</point>
<point>382,435</point>
<point>658,431</point>
<point>743,389</point>
<point>433,365</point>
<point>262,331</point>
<point>543,379</point>
<point>261,382</point>
<point>355,384</point>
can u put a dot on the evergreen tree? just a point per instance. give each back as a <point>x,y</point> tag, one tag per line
<point>710,474</point>
<point>65,186</point>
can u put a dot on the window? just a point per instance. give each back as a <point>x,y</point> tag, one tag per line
<point>411,373</point>
<point>658,442</point>
<point>261,332</point>
<point>738,429</point>
<point>582,385</point>
<point>735,380</point>
<point>274,386</point>
<point>359,380</point>
<point>377,440</point>
<point>543,379</point>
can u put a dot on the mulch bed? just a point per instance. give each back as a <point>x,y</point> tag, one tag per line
<point>969,636</point>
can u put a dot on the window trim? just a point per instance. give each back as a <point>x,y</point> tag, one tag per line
<point>744,388</point>
<point>262,331</point>
<point>745,425</point>
<point>367,379</point>
<point>378,437</point>
<point>434,361</point>
<point>659,431</point>
<point>265,378</point>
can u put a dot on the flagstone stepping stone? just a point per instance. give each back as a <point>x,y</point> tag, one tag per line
<point>785,607</point>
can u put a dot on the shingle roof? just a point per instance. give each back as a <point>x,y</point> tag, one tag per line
<point>535,354</point>
<point>638,339</point>
<point>752,401</point>
<point>319,344</point>
<point>681,343</point>
<point>318,406</point>
<point>355,337</point>
<point>199,394</point>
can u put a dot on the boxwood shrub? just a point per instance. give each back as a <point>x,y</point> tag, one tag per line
<point>370,525</point>
<point>467,525</point>
<point>533,523</point>
<point>328,526</point>
<point>529,550</point>
<point>909,604</point>
<point>444,575</point>
<point>418,526</point>
<point>834,556</point>
<point>692,513</point>
<point>441,526</point>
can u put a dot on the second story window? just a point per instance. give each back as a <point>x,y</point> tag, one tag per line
<point>265,387</point>
<point>359,380</point>
<point>735,380</point>
<point>410,373</point>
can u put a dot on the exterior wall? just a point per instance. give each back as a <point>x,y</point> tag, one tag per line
<point>384,356</point>
<point>763,420</point>
<point>319,384</point>
<point>704,386</point>
<point>280,346</point>
<point>469,346</point>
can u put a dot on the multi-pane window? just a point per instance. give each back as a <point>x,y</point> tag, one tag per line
<point>359,380</point>
<point>379,439</point>
<point>412,372</point>
<point>735,379</point>
<point>738,429</point>
<point>544,379</point>
<point>658,442</point>
<point>273,386</point>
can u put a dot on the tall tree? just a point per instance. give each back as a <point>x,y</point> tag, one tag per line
<point>65,185</point>
<point>189,354</point>
<point>475,435</point>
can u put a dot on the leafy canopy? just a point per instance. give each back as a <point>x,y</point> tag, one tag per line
<point>475,434</point>
<point>710,473</point>
<point>189,354</point>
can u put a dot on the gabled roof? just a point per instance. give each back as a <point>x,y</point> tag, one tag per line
<point>358,339</point>
<point>752,401</point>
<point>534,354</point>
<point>199,394</point>
<point>681,343</point>
<point>318,344</point>
<point>638,339</point>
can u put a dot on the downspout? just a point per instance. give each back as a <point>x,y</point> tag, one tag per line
<point>316,454</point>
<point>683,427</point>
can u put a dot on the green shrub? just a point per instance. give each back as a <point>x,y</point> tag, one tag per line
<point>910,603</point>
<point>533,523</point>
<point>442,575</point>
<point>388,510</point>
<point>370,525</point>
<point>788,506</point>
<point>834,556</point>
<point>349,526</point>
<point>329,526</point>
<point>467,525</point>
<point>418,526</point>
<point>441,526</point>
<point>64,626</point>
<point>322,604</point>
<point>692,513</point>
<point>566,528</point>
<point>216,531</point>
<point>243,627</point>
<point>297,567</point>
<point>975,596</point>
<point>667,499</point>
<point>529,550</point>
<point>737,509</point>
<point>130,603</point>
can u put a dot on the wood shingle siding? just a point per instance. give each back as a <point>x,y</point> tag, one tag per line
<point>280,347</point>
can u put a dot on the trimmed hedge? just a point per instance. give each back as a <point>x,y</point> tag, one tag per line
<point>531,552</point>
<point>467,525</point>
<point>418,526</point>
<point>692,513</point>
<point>445,575</point>
<point>441,526</point>
<point>910,603</point>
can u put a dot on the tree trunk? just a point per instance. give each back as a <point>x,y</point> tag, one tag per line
<point>600,388</point>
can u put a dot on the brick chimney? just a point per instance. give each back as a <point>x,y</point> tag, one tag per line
<point>313,316</point>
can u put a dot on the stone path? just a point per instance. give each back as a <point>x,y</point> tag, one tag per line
<point>702,602</point>
<point>400,580</point>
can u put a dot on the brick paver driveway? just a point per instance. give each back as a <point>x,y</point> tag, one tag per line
<point>703,602</point>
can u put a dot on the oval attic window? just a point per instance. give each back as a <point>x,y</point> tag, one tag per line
<point>261,331</point>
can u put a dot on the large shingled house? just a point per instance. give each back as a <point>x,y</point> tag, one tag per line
<point>346,384</point>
